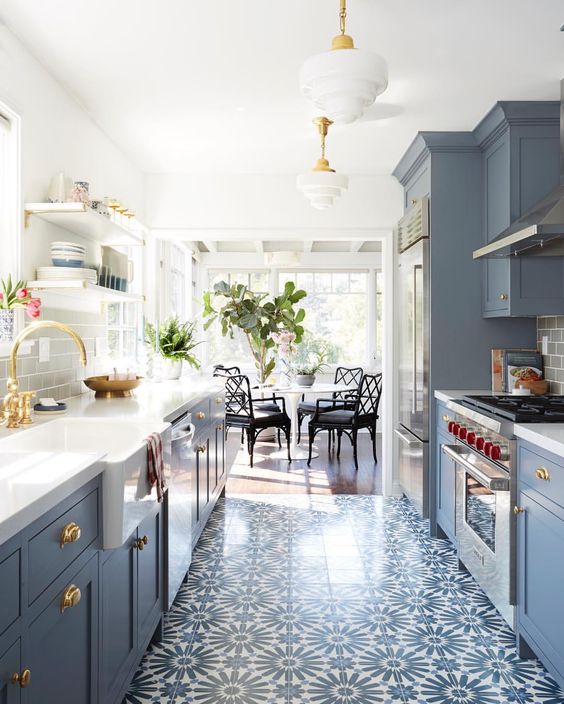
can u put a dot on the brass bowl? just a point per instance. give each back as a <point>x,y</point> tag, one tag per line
<point>104,388</point>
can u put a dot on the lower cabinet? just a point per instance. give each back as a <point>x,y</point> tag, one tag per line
<point>131,604</point>
<point>446,486</point>
<point>60,644</point>
<point>11,675</point>
<point>540,578</point>
<point>208,474</point>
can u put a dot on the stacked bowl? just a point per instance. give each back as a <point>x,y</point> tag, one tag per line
<point>67,254</point>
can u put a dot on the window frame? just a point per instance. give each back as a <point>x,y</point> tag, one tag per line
<point>10,190</point>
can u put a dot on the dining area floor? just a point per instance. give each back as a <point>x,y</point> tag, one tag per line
<point>327,474</point>
<point>296,599</point>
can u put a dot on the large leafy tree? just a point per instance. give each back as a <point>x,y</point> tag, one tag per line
<point>257,316</point>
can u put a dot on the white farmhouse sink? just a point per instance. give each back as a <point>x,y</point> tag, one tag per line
<point>127,496</point>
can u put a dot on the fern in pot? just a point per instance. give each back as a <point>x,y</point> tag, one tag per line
<point>175,342</point>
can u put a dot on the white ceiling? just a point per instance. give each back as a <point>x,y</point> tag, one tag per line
<point>212,86</point>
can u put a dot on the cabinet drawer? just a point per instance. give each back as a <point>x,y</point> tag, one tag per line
<point>542,474</point>
<point>55,547</point>
<point>218,406</point>
<point>201,414</point>
<point>10,571</point>
<point>443,417</point>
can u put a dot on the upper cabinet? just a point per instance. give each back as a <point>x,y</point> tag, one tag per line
<point>520,149</point>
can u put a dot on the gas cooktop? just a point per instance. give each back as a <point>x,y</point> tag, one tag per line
<point>520,409</point>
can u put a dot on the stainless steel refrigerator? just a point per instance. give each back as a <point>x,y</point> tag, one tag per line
<point>412,236</point>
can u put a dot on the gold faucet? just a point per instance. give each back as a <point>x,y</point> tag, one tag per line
<point>16,406</point>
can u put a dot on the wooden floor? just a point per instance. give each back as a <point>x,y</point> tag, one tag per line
<point>327,474</point>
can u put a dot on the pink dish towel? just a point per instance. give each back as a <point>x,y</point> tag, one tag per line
<point>155,462</point>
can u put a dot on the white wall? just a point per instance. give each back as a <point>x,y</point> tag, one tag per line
<point>57,135</point>
<point>266,203</point>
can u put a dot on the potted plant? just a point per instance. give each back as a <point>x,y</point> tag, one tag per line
<point>257,317</point>
<point>305,375</point>
<point>13,296</point>
<point>174,341</point>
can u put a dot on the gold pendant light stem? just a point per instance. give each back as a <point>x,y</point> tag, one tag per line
<point>343,15</point>
<point>342,40</point>
<point>322,124</point>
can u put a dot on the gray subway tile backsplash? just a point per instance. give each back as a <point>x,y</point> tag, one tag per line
<point>60,377</point>
<point>552,326</point>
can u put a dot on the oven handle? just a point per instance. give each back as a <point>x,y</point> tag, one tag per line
<point>491,478</point>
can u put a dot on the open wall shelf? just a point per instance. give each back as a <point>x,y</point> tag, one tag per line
<point>80,219</point>
<point>63,293</point>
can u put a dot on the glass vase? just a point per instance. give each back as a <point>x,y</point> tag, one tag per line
<point>6,325</point>
<point>286,372</point>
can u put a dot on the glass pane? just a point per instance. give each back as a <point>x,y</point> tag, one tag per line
<point>216,277</point>
<point>305,280</point>
<point>113,343</point>
<point>130,314</point>
<point>480,511</point>
<point>259,281</point>
<point>113,314</point>
<point>340,283</point>
<point>322,282</point>
<point>358,282</point>
<point>240,277</point>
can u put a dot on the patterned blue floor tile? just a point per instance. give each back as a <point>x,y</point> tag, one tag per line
<point>332,600</point>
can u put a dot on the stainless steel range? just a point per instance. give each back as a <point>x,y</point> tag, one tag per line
<point>483,450</point>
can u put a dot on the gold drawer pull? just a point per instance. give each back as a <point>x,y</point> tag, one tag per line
<point>518,509</point>
<point>71,597</point>
<point>23,680</point>
<point>70,534</point>
<point>140,544</point>
<point>219,400</point>
<point>503,297</point>
<point>200,415</point>
<point>543,473</point>
<point>446,419</point>
<point>202,449</point>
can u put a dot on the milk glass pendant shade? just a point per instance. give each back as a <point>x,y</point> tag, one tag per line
<point>322,185</point>
<point>344,81</point>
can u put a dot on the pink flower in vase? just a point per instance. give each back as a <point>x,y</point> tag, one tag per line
<point>32,308</point>
<point>22,293</point>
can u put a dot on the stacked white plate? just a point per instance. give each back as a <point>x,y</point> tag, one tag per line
<point>65,273</point>
<point>67,254</point>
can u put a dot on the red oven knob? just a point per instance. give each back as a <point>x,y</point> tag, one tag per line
<point>463,432</point>
<point>451,425</point>
<point>456,429</point>
<point>495,452</point>
<point>488,447</point>
<point>471,437</point>
<point>480,441</point>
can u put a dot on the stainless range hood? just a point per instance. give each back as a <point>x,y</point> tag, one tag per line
<point>540,231</point>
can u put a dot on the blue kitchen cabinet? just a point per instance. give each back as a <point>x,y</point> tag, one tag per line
<point>10,669</point>
<point>149,577</point>
<point>60,643</point>
<point>520,165</point>
<point>540,567</point>
<point>446,483</point>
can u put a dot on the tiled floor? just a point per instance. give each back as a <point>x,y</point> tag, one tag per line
<point>332,600</point>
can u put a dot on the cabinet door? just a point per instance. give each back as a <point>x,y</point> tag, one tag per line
<point>446,483</point>
<point>220,453</point>
<point>61,646</point>
<point>10,664</point>
<point>203,463</point>
<point>149,577</point>
<point>540,576</point>
<point>119,619</point>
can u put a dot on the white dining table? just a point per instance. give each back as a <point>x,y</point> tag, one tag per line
<point>292,394</point>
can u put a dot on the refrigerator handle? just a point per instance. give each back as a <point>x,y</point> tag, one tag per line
<point>414,338</point>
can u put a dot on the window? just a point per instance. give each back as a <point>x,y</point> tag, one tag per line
<point>336,311</point>
<point>9,190</point>
<point>124,321</point>
<point>224,350</point>
<point>379,318</point>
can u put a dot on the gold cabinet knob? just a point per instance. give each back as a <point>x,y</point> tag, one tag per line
<point>71,597</point>
<point>220,427</point>
<point>70,534</point>
<point>543,473</point>
<point>518,509</point>
<point>445,419</point>
<point>503,297</point>
<point>219,400</point>
<point>140,544</point>
<point>22,679</point>
<point>200,415</point>
<point>202,449</point>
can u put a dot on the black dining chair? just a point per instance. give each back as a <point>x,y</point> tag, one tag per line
<point>242,411</point>
<point>349,376</point>
<point>342,419</point>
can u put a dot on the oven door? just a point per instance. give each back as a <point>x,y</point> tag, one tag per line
<point>483,524</point>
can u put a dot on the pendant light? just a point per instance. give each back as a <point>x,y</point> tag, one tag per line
<point>344,81</point>
<point>322,185</point>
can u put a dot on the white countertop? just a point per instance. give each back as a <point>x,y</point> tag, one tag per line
<point>446,396</point>
<point>32,483</point>
<point>548,436</point>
